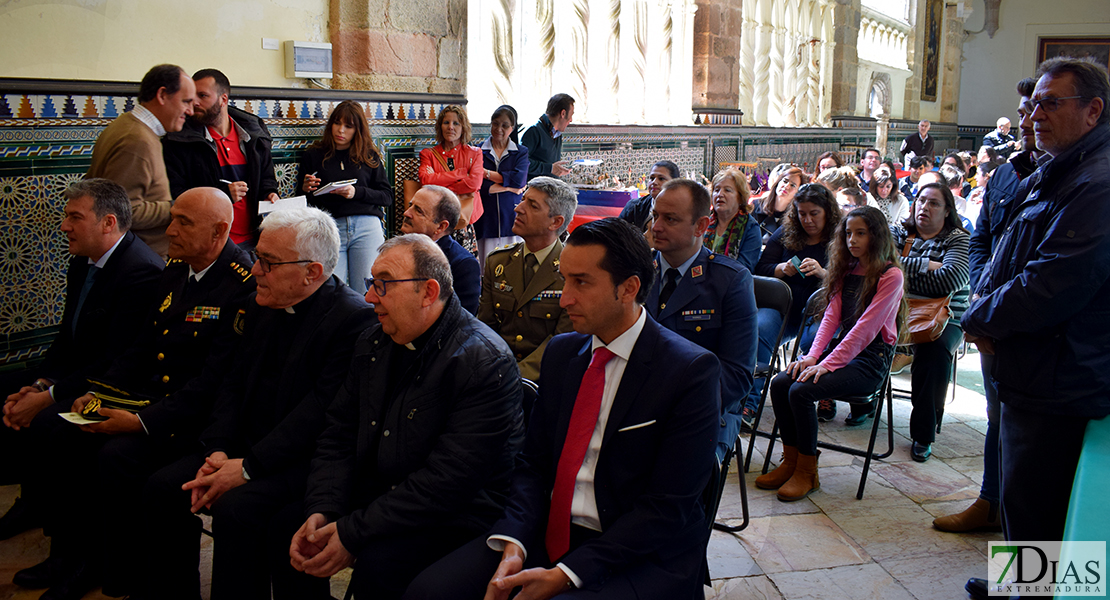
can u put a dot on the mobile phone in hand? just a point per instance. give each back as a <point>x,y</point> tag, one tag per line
<point>797,262</point>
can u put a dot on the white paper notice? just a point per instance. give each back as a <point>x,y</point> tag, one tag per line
<point>77,419</point>
<point>265,207</point>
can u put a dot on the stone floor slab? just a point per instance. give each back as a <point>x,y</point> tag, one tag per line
<point>937,576</point>
<point>800,542</point>
<point>729,558</point>
<point>853,582</point>
<point>744,588</point>
<point>897,532</point>
<point>930,480</point>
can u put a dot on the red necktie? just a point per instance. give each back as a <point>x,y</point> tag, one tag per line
<point>583,421</point>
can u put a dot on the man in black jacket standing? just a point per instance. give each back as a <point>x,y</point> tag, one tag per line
<point>544,140</point>
<point>226,148</point>
<point>298,335</point>
<point>420,441</point>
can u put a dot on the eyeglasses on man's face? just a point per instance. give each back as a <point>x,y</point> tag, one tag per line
<point>379,284</point>
<point>1049,104</point>
<point>267,266</point>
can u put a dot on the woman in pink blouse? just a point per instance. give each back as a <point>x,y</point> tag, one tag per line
<point>457,166</point>
<point>863,296</point>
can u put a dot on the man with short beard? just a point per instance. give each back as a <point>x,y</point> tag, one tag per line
<point>226,148</point>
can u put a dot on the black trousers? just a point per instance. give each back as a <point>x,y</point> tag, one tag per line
<point>932,371</point>
<point>252,527</point>
<point>795,402</point>
<point>465,573</point>
<point>1040,453</point>
<point>386,565</point>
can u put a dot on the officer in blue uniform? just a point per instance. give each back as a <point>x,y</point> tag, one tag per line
<point>706,298</point>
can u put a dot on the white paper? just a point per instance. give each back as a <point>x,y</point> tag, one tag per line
<point>265,207</point>
<point>77,419</point>
<point>335,185</point>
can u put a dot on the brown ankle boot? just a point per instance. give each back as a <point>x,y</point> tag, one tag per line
<point>804,481</point>
<point>980,515</point>
<point>782,474</point>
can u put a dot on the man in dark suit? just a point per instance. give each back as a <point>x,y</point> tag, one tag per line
<point>420,441</point>
<point>169,374</point>
<point>521,286</point>
<point>606,493</point>
<point>110,283</point>
<point>705,297</point>
<point>298,337</point>
<point>435,212</point>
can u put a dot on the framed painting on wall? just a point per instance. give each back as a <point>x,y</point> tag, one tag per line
<point>934,23</point>
<point>1097,48</point>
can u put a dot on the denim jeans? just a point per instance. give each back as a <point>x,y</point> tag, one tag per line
<point>360,236</point>
<point>769,320</point>
<point>991,475</point>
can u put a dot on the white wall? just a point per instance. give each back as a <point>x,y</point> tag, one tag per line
<point>119,40</point>
<point>992,67</point>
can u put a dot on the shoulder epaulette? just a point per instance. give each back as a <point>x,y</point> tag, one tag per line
<point>243,272</point>
<point>174,261</point>
<point>502,248</point>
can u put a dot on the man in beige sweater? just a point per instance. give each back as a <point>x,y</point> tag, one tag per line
<point>129,150</point>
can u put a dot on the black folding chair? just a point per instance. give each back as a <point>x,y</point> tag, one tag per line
<point>720,474</point>
<point>773,293</point>
<point>875,398</point>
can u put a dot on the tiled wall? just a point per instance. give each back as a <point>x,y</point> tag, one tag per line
<point>46,141</point>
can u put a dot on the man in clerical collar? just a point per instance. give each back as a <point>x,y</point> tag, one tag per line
<point>420,441</point>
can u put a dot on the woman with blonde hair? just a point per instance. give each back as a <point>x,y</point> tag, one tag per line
<point>732,231</point>
<point>457,166</point>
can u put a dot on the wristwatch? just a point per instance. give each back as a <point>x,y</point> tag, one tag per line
<point>40,385</point>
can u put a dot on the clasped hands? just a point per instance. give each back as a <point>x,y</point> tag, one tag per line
<point>536,584</point>
<point>22,406</point>
<point>317,550</point>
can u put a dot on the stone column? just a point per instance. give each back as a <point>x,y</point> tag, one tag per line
<point>846,19</point>
<point>954,37</point>
<point>915,58</point>
<point>717,39</point>
<point>412,46</point>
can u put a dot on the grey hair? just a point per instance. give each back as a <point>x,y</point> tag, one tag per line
<point>448,207</point>
<point>1090,80</point>
<point>562,199</point>
<point>108,197</point>
<point>429,261</point>
<point>951,175</point>
<point>317,235</point>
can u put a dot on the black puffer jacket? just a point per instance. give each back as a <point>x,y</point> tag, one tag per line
<point>191,160</point>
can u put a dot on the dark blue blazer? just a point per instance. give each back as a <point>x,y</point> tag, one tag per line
<point>656,458</point>
<point>111,317</point>
<point>714,307</point>
<point>465,272</point>
<point>497,220</point>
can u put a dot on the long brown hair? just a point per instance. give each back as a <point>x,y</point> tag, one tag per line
<point>362,150</point>
<point>768,201</point>
<point>463,120</point>
<point>793,236</point>
<point>880,251</point>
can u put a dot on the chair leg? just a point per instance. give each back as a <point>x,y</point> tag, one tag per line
<point>874,434</point>
<point>758,416</point>
<point>770,447</point>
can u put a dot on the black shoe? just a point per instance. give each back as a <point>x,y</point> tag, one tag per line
<point>977,588</point>
<point>826,410</point>
<point>40,576</point>
<point>19,518</point>
<point>78,580</point>
<point>747,419</point>
<point>921,452</point>
<point>859,418</point>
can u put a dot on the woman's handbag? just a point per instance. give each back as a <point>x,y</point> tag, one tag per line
<point>927,317</point>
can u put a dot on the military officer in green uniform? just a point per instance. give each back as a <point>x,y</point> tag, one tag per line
<point>521,286</point>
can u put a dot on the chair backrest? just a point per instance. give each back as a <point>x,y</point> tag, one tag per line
<point>771,292</point>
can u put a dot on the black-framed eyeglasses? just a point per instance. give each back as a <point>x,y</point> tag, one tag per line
<point>379,284</point>
<point>268,265</point>
<point>1050,104</point>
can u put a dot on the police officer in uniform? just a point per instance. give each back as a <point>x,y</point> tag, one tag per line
<point>166,379</point>
<point>706,298</point>
<point>521,286</point>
